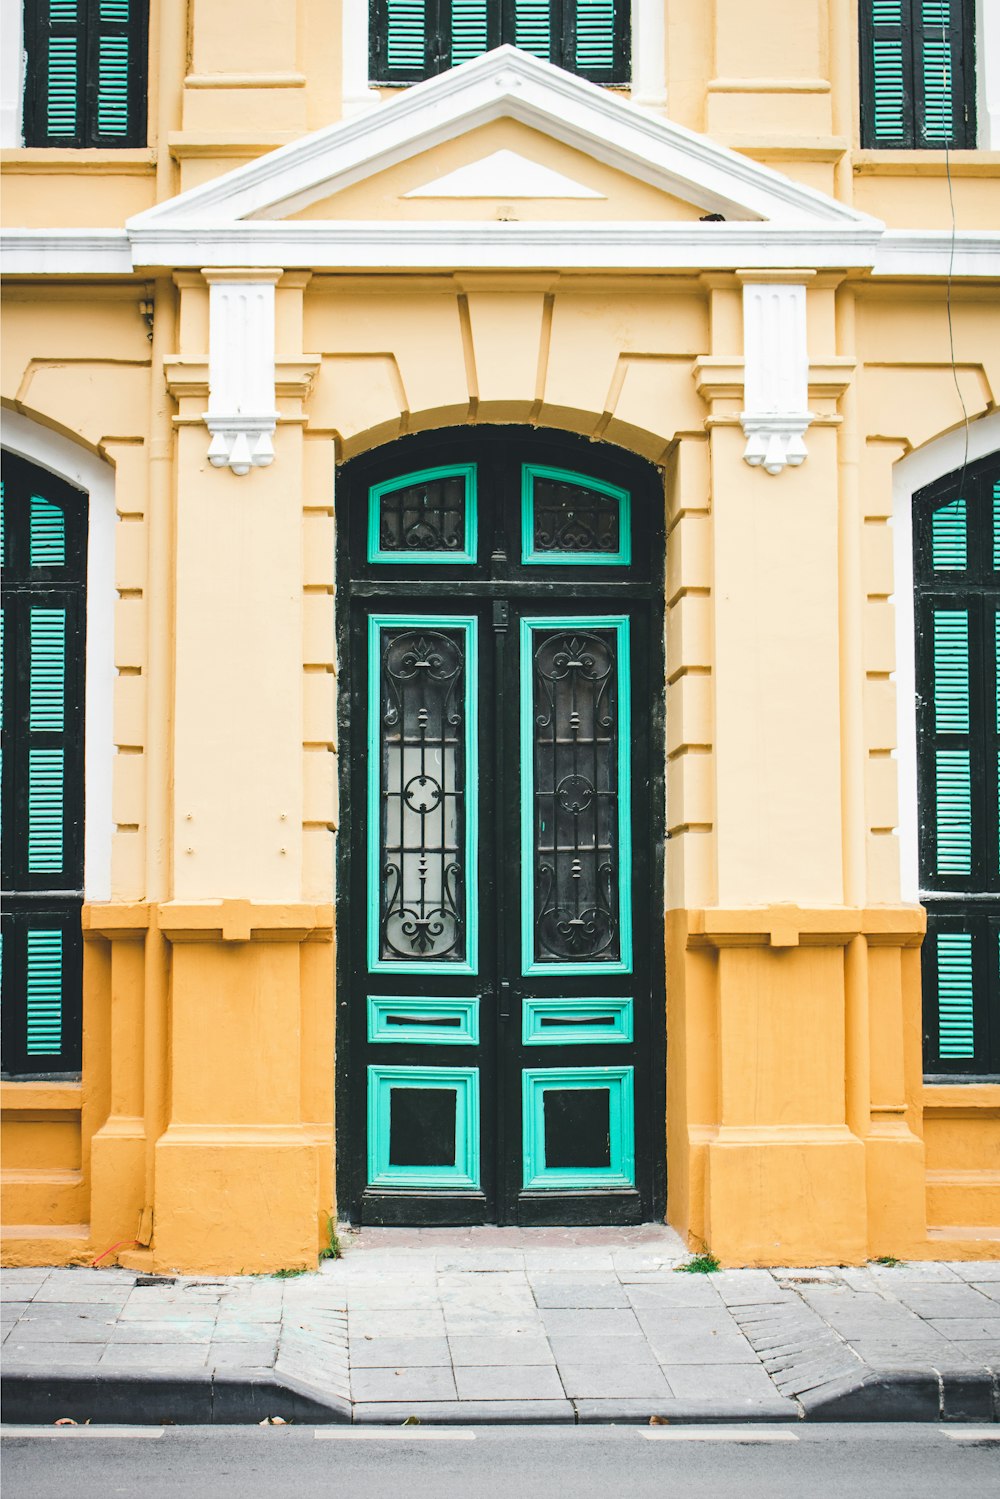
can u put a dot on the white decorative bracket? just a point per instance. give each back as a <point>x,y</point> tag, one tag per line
<point>241,413</point>
<point>776,374</point>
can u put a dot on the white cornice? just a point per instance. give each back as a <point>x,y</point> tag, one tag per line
<point>507,84</point>
<point>505,246</point>
<point>65,252</point>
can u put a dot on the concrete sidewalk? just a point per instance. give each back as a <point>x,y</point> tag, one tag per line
<point>506,1325</point>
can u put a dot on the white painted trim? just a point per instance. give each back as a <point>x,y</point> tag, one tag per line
<point>988,74</point>
<point>65,252</point>
<point>935,459</point>
<point>775,375</point>
<point>11,73</point>
<point>443,245</point>
<point>355,93</point>
<point>649,54</point>
<point>504,84</point>
<point>241,412</point>
<point>73,463</point>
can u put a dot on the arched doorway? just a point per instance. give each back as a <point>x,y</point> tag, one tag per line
<point>500,892</point>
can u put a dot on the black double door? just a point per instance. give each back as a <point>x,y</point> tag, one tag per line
<point>500,907</point>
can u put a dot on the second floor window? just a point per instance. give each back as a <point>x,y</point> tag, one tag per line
<point>917,74</point>
<point>86,72</point>
<point>414,39</point>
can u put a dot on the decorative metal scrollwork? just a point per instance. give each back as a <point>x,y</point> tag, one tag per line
<point>576,798</point>
<point>570,518</point>
<point>424,517</point>
<point>423,796</point>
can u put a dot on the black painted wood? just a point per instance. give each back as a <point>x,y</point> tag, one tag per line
<point>499,590</point>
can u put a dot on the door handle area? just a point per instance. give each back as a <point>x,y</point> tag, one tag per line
<point>504,1010</point>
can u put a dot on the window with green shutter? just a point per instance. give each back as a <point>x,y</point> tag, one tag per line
<point>43,523</point>
<point>414,39</point>
<point>86,72</point>
<point>918,74</point>
<point>956,537</point>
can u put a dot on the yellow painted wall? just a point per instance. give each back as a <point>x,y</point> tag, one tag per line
<point>798,1126</point>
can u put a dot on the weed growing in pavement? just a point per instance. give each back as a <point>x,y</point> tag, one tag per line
<point>700,1264</point>
<point>288,1274</point>
<point>888,1260</point>
<point>331,1249</point>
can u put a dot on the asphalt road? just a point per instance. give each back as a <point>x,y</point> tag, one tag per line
<point>703,1462</point>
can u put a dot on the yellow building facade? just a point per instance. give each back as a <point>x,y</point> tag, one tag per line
<point>692,281</point>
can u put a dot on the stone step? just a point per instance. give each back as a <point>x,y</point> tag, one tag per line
<point>963,1197</point>
<point>44,1194</point>
<point>45,1244</point>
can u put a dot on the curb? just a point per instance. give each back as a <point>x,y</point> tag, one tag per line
<point>150,1397</point>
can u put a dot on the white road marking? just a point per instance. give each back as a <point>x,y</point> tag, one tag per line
<point>973,1434</point>
<point>714,1434</point>
<point>392,1434</point>
<point>82,1431</point>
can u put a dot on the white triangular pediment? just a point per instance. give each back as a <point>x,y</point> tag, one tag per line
<point>503,84</point>
<point>503,174</point>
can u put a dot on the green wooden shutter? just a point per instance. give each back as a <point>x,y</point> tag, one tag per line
<point>44,530</point>
<point>86,74</point>
<point>957,615</point>
<point>414,39</point>
<point>917,74</point>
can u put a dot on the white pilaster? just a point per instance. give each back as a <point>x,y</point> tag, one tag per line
<point>241,412</point>
<point>776,373</point>
<point>355,93</point>
<point>649,54</point>
<point>11,73</point>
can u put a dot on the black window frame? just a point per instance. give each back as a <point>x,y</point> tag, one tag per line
<point>500,29</point>
<point>963,35</point>
<point>959,903</point>
<point>90,28</point>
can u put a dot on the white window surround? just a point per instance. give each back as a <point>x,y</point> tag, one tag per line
<point>67,460</point>
<point>649,79</point>
<point>943,456</point>
<point>11,72</point>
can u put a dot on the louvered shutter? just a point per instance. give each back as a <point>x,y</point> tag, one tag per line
<point>957,612</point>
<point>44,626</point>
<point>917,74</point>
<point>414,39</point>
<point>86,78</point>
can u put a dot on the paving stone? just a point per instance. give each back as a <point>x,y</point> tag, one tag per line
<point>146,1334</point>
<point>943,1300</point>
<point>154,1356</point>
<point>596,1350</point>
<point>413,1353</point>
<point>687,1322</point>
<point>483,1324</point>
<point>913,1271</point>
<point>719,1382</point>
<point>82,1293</point>
<point>594,1295</point>
<point>724,1348</point>
<point>988,1288</point>
<point>469,1351</point>
<point>982,1351</point>
<point>614,1382</point>
<point>243,1355</point>
<point>11,1310</point>
<point>610,1323</point>
<point>748,1287</point>
<point>979,1271</point>
<point>682,1291</point>
<point>54,1356</point>
<point>966,1329</point>
<point>508,1382</point>
<point>62,1330</point>
<point>403,1384</point>
<point>426,1323</point>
